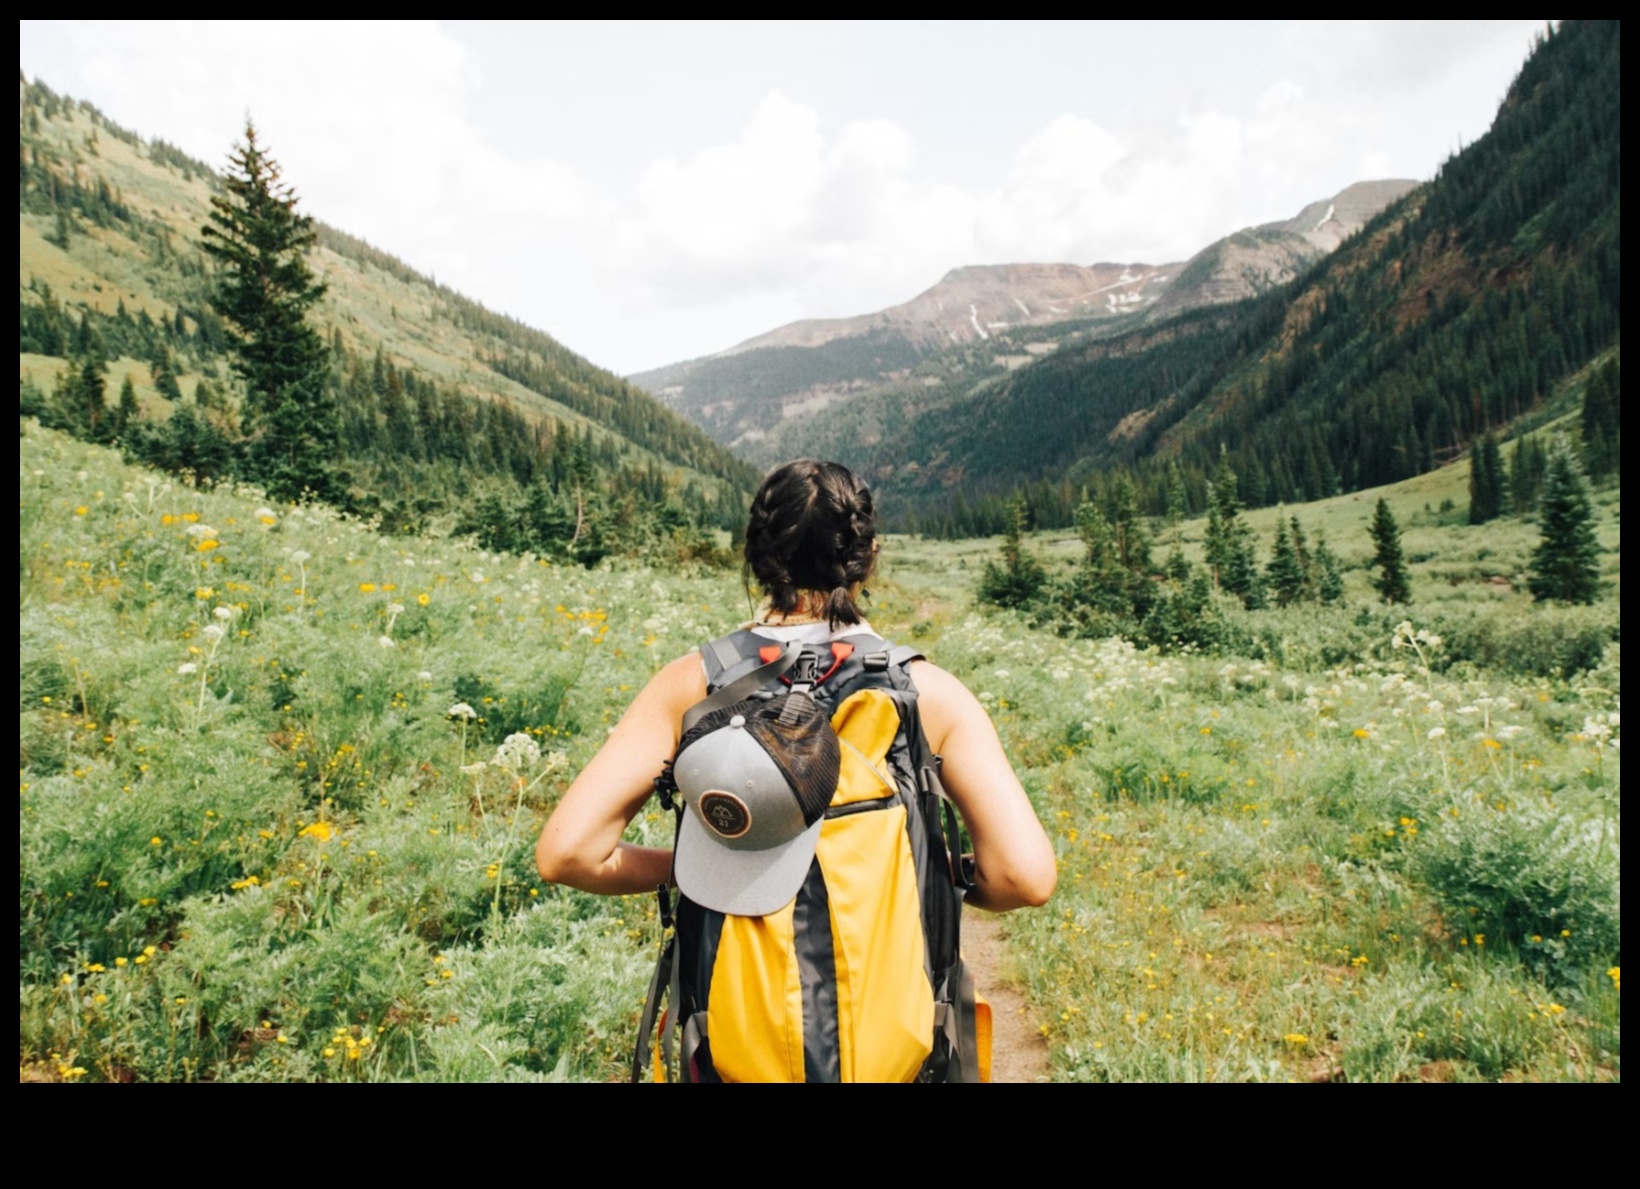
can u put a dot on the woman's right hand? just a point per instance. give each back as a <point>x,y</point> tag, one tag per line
<point>581,844</point>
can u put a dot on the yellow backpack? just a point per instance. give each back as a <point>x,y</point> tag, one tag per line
<point>859,978</point>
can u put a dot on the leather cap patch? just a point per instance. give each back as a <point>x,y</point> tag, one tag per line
<point>725,813</point>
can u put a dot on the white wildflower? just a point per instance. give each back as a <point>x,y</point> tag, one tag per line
<point>187,667</point>
<point>386,641</point>
<point>224,613</point>
<point>462,710</point>
<point>517,752</point>
<point>395,608</point>
<point>424,675</point>
<point>301,557</point>
<point>474,769</point>
<point>201,531</point>
<point>213,631</point>
<point>1437,732</point>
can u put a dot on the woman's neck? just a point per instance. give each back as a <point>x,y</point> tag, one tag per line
<point>811,608</point>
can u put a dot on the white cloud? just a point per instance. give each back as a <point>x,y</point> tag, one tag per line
<point>378,127</point>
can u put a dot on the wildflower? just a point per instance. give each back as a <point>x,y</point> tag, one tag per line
<point>156,840</point>
<point>95,968</point>
<point>187,667</point>
<point>367,588</point>
<point>322,831</point>
<point>462,710</point>
<point>204,593</point>
<point>1361,733</point>
<point>1437,732</point>
<point>386,641</point>
<point>423,598</point>
<point>1296,1039</point>
<point>122,961</point>
<point>1616,975</point>
<point>301,557</point>
<point>224,613</point>
<point>517,751</point>
<point>395,608</point>
<point>267,516</point>
<point>213,631</point>
<point>81,510</point>
<point>424,675</point>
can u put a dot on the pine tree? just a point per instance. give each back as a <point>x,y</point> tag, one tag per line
<point>1229,545</point>
<point>128,410</point>
<point>1020,577</point>
<point>1527,463</point>
<point>1485,480</point>
<point>1329,579</point>
<point>1566,563</point>
<point>1392,582</point>
<point>264,289</point>
<point>1285,573</point>
<point>1603,419</point>
<point>82,401</point>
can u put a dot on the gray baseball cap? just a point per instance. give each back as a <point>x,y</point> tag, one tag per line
<point>757,778</point>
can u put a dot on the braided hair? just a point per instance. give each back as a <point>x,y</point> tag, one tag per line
<point>812,529</point>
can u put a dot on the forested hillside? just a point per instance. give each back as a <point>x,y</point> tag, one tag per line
<point>1456,310</point>
<point>445,407</point>
<point>781,394</point>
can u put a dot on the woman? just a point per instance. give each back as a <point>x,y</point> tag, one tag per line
<point>810,544</point>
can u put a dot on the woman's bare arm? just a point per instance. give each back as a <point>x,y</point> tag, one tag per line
<point>1013,858</point>
<point>581,845</point>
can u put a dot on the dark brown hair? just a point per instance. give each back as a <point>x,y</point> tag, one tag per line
<point>813,527</point>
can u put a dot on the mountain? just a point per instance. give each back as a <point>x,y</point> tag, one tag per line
<point>1260,258</point>
<point>761,396</point>
<point>438,393</point>
<point>1464,305</point>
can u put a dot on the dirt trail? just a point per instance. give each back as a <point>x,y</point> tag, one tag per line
<point>1018,1052</point>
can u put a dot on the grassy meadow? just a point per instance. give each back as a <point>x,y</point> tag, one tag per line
<point>280,779</point>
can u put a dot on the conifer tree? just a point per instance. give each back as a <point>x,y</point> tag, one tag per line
<point>1020,577</point>
<point>128,409</point>
<point>264,290</point>
<point>1603,419</point>
<point>1285,573</point>
<point>1329,578</point>
<point>1485,480</point>
<point>1229,544</point>
<point>1392,581</point>
<point>1566,563</point>
<point>1527,462</point>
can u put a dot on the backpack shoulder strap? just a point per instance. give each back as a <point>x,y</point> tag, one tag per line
<point>723,656</point>
<point>743,686</point>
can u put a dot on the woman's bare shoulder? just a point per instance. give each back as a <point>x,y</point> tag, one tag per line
<point>944,700</point>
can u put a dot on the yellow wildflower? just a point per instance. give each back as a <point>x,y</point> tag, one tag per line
<point>322,831</point>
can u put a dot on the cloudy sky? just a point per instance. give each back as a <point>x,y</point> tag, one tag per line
<point>654,192</point>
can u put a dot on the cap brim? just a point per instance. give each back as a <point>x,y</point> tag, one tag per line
<point>742,883</point>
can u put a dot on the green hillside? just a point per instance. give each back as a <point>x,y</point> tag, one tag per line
<point>440,397</point>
